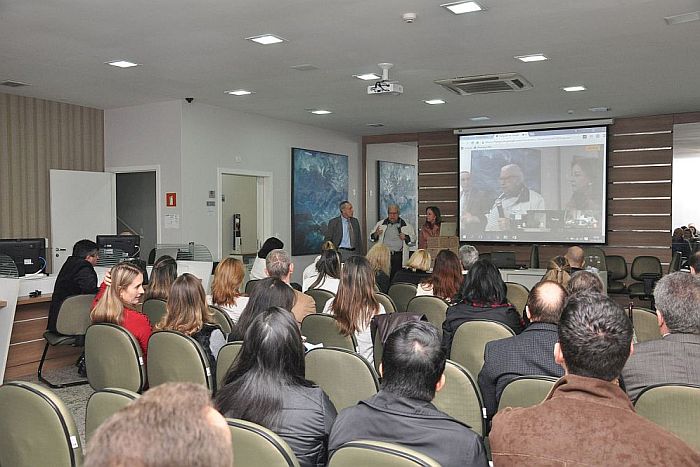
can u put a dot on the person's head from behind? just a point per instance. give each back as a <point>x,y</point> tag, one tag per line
<point>163,275</point>
<point>266,293</point>
<point>328,245</point>
<point>484,284</point>
<point>447,275</point>
<point>677,234</point>
<point>278,264</point>
<point>355,304</point>
<point>328,264</point>
<point>346,209</point>
<point>87,250</point>
<point>558,270</point>
<point>574,255</point>
<point>379,257</point>
<point>433,216</point>
<point>393,212</point>
<point>413,361</point>
<point>172,424</point>
<point>468,255</point>
<point>186,309</point>
<point>511,179</point>
<point>595,337</point>
<point>694,263</point>
<point>546,302</point>
<point>419,260</point>
<point>125,290</point>
<point>585,281</point>
<point>677,297</point>
<point>272,243</point>
<point>228,278</point>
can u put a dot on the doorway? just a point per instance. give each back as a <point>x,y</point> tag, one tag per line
<point>137,207</point>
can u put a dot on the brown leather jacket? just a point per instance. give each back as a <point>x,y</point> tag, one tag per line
<point>584,421</point>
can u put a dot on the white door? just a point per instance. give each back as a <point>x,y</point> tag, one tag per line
<point>83,205</point>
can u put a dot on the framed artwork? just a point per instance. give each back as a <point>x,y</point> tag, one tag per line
<point>398,184</point>
<point>319,184</point>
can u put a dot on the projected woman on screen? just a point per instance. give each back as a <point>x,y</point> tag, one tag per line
<point>586,182</point>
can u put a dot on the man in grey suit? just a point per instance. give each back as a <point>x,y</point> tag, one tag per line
<point>675,358</point>
<point>530,352</point>
<point>344,232</point>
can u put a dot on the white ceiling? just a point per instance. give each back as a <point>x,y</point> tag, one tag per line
<point>622,50</point>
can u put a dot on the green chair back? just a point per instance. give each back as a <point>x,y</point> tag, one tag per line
<point>175,357</point>
<point>646,325</point>
<point>617,267</point>
<point>222,319</point>
<point>321,328</point>
<point>675,264</point>
<point>102,404</point>
<point>113,358</point>
<point>470,341</point>
<point>402,293</point>
<point>345,376</point>
<point>154,309</point>
<point>227,355</point>
<point>379,454</point>
<point>74,315</point>
<point>386,301</point>
<point>254,446</point>
<point>37,428</point>
<point>526,391</point>
<point>517,294</point>
<point>460,397</point>
<point>434,308</point>
<point>320,296</point>
<point>675,407</point>
<point>595,257</point>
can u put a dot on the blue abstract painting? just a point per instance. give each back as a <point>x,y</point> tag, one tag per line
<point>398,184</point>
<point>319,184</point>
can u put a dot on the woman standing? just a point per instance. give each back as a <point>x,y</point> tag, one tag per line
<point>431,227</point>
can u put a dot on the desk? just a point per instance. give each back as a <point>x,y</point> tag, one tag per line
<point>530,277</point>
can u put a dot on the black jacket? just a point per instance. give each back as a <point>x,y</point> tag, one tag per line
<point>77,277</point>
<point>412,423</point>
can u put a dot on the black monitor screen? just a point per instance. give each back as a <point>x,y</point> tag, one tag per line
<point>120,245</point>
<point>28,254</point>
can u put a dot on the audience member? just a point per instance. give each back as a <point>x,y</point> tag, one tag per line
<point>412,369</point>
<point>187,312</point>
<point>585,281</point>
<point>225,288</point>
<point>483,298</point>
<point>163,275</point>
<point>266,385</point>
<point>379,258</point>
<point>587,419</point>
<point>257,271</point>
<point>115,303</point>
<point>431,227</point>
<point>310,273</point>
<point>396,234</point>
<point>694,263</point>
<point>680,243</point>
<point>675,358</point>
<point>558,270</point>
<point>575,256</point>
<point>355,304</point>
<point>328,268</point>
<point>267,293</point>
<point>446,278</point>
<point>416,269</point>
<point>529,353</point>
<point>468,255</point>
<point>172,424</point>
<point>279,264</point>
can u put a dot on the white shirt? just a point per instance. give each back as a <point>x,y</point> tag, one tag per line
<point>328,283</point>
<point>259,269</point>
<point>424,289</point>
<point>365,347</point>
<point>513,208</point>
<point>234,311</point>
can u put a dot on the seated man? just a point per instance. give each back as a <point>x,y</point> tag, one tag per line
<point>694,263</point>
<point>675,358</point>
<point>412,366</point>
<point>575,256</point>
<point>173,424</point>
<point>278,264</point>
<point>587,419</point>
<point>530,352</point>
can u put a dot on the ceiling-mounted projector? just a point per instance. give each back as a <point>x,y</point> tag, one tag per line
<point>384,86</point>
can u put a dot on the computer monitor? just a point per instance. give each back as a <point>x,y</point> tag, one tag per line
<point>126,246</point>
<point>28,254</point>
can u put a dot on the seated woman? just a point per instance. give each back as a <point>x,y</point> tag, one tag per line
<point>680,243</point>
<point>484,298</point>
<point>258,271</point>
<point>558,270</point>
<point>328,267</point>
<point>355,304</point>
<point>379,257</point>
<point>225,288</point>
<point>310,273</point>
<point>416,269</point>
<point>266,385</point>
<point>446,278</point>
<point>268,292</point>
<point>115,303</point>
<point>163,275</point>
<point>187,312</point>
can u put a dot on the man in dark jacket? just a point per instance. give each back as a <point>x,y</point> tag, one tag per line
<point>77,277</point>
<point>412,366</point>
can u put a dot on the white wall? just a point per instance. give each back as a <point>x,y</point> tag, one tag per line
<point>686,166</point>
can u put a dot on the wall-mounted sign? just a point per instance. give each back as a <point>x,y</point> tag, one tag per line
<point>171,200</point>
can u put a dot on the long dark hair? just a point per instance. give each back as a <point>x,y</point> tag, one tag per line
<point>355,304</point>
<point>271,359</point>
<point>272,243</point>
<point>328,265</point>
<point>484,284</point>
<point>266,293</point>
<point>163,275</point>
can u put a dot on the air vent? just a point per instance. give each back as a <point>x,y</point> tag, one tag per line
<point>13,84</point>
<point>481,84</point>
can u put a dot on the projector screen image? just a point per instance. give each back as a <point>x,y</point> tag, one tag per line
<point>545,186</point>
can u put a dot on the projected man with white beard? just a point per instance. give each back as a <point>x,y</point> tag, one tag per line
<point>514,201</point>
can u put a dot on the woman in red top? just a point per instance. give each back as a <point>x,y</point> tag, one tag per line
<point>114,303</point>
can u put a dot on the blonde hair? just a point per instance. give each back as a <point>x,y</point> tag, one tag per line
<point>328,245</point>
<point>110,307</point>
<point>419,260</point>
<point>379,257</point>
<point>187,309</point>
<point>228,278</point>
<point>558,270</point>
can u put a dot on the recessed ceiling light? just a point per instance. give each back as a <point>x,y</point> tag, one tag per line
<point>462,7</point>
<point>122,63</point>
<point>599,109</point>
<point>684,18</point>
<point>532,58</point>
<point>304,67</point>
<point>320,112</point>
<point>239,92</point>
<point>434,101</point>
<point>574,88</point>
<point>375,125</point>
<point>368,76</point>
<point>266,39</point>
<point>481,118</point>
